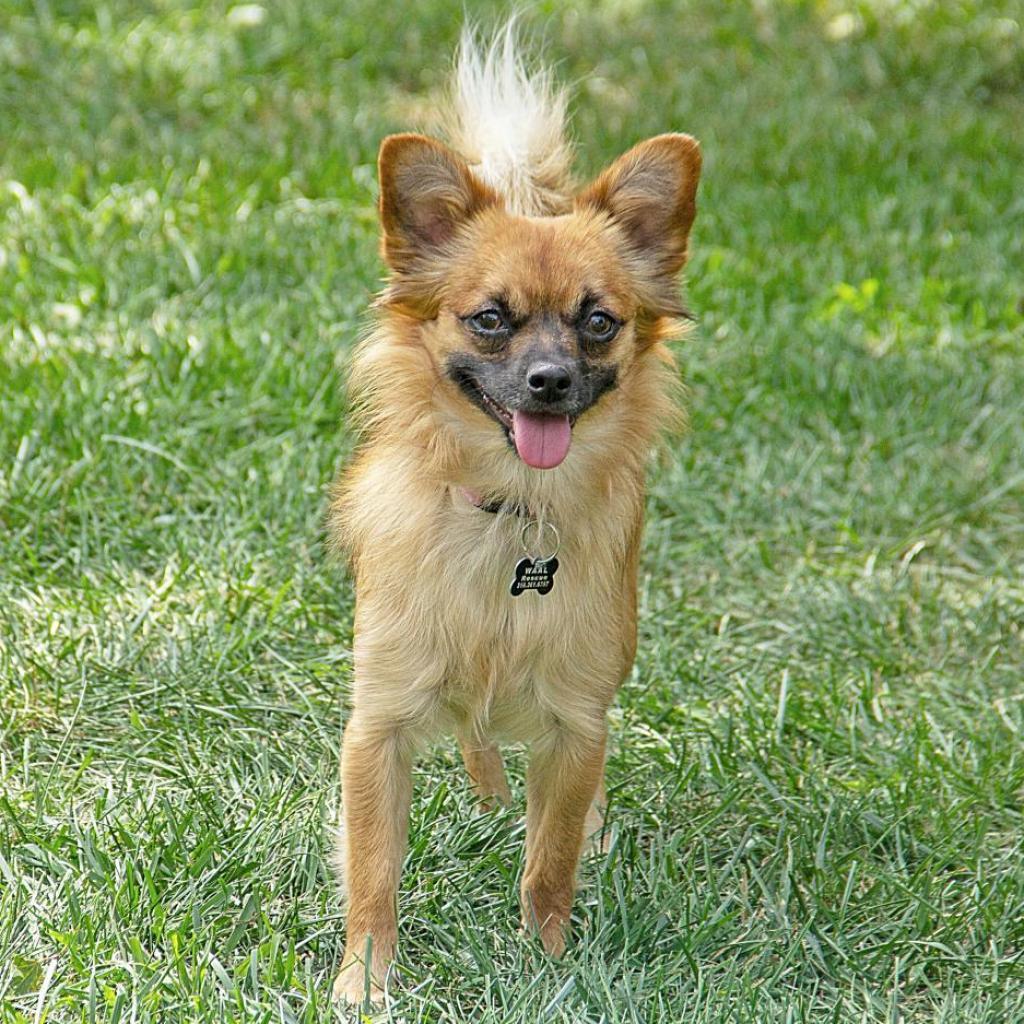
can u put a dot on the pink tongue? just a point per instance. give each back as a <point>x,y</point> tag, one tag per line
<point>542,441</point>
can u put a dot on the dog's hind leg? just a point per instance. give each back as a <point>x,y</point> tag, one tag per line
<point>486,772</point>
<point>596,837</point>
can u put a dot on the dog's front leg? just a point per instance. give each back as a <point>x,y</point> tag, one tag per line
<point>376,780</point>
<point>563,777</point>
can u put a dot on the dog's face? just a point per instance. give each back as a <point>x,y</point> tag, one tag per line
<point>532,320</point>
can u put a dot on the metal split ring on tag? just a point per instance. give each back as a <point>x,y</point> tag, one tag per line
<point>541,525</point>
<point>537,574</point>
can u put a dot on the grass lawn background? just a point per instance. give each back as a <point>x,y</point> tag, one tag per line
<point>817,772</point>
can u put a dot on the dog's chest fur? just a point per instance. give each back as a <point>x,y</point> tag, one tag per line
<point>452,649</point>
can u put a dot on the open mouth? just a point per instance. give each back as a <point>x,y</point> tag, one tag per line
<point>541,440</point>
<point>495,409</point>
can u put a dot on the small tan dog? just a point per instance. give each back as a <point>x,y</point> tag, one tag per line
<point>509,397</point>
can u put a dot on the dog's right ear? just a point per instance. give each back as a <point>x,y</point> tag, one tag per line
<point>426,194</point>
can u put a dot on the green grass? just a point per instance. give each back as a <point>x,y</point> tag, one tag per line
<point>818,772</point>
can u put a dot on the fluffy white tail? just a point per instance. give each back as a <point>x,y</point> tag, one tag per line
<point>508,121</point>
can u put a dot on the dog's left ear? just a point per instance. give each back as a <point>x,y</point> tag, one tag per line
<point>651,192</point>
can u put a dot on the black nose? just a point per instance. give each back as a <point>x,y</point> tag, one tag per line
<point>548,382</point>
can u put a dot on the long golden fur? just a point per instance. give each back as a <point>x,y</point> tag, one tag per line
<point>440,644</point>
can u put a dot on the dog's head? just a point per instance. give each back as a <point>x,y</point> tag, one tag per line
<point>531,321</point>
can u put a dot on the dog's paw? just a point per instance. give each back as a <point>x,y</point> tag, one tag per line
<point>548,920</point>
<point>551,934</point>
<point>552,937</point>
<point>350,987</point>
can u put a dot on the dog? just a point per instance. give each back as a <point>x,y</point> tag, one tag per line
<point>509,396</point>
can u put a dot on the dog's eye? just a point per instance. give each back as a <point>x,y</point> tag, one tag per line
<point>488,321</point>
<point>600,326</point>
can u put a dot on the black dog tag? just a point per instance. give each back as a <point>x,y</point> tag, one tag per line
<point>531,575</point>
